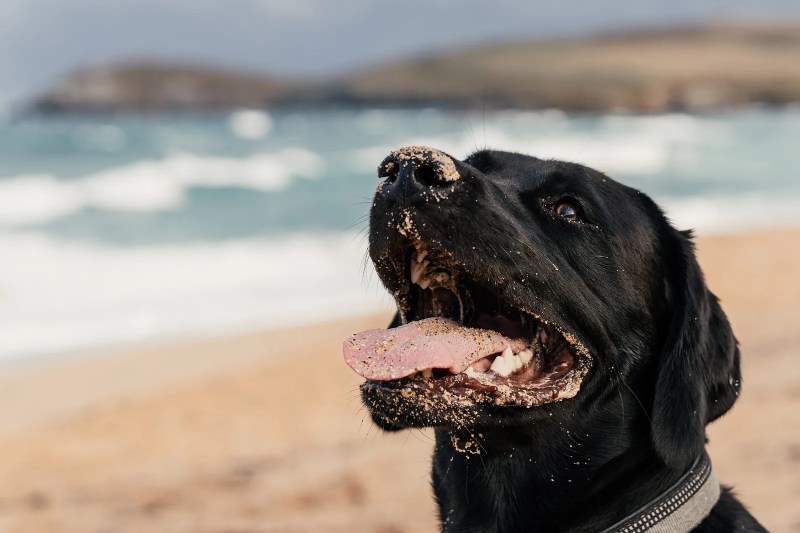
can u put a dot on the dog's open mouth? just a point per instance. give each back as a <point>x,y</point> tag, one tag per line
<point>463,342</point>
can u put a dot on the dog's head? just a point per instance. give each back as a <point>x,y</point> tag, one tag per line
<point>534,292</point>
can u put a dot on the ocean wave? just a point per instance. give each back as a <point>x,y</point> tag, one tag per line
<point>727,214</point>
<point>98,295</point>
<point>150,185</point>
<point>621,145</point>
<point>250,124</point>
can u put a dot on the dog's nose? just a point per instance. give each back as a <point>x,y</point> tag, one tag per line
<point>414,169</point>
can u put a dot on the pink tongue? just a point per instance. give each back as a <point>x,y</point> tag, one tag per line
<point>387,354</point>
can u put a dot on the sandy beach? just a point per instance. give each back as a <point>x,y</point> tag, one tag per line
<point>265,431</point>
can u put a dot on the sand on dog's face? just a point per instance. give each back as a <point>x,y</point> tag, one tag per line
<point>443,163</point>
<point>454,251</point>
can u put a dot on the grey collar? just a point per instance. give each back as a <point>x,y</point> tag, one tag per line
<point>681,507</point>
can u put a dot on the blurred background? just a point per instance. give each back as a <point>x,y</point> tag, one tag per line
<point>182,181</point>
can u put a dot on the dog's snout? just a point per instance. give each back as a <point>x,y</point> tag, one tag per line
<point>412,171</point>
<point>415,169</point>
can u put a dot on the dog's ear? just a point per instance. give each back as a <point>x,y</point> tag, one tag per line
<point>698,375</point>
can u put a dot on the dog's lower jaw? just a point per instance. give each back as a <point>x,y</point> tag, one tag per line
<point>384,424</point>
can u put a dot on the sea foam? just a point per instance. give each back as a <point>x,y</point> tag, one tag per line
<point>59,297</point>
<point>619,145</point>
<point>149,185</point>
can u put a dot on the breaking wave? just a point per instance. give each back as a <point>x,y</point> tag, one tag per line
<point>100,295</point>
<point>149,185</point>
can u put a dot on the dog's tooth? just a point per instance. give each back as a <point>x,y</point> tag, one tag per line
<point>517,363</point>
<point>526,356</point>
<point>421,254</point>
<point>417,268</point>
<point>418,271</point>
<point>427,373</point>
<point>471,372</point>
<point>441,277</point>
<point>508,355</point>
<point>424,283</point>
<point>498,365</point>
<point>501,366</point>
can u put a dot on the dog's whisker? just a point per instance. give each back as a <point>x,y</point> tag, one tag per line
<point>622,407</point>
<point>352,399</point>
<point>424,436</point>
<point>472,132</point>
<point>361,425</point>
<point>447,471</point>
<point>530,249</point>
<point>362,411</point>
<point>361,220</point>
<point>635,397</point>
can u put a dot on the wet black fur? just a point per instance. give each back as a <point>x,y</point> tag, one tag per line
<point>627,285</point>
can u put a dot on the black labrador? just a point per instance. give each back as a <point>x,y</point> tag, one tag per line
<point>557,333</point>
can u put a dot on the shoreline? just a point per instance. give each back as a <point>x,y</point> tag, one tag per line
<point>264,430</point>
<point>160,342</point>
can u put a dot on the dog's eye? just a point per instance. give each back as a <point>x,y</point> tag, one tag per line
<point>567,210</point>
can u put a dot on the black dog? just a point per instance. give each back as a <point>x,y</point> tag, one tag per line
<point>556,331</point>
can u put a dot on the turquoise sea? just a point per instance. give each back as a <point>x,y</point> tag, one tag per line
<point>130,228</point>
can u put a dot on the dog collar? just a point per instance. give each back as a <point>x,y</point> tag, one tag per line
<point>681,507</point>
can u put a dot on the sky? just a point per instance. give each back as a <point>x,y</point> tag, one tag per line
<point>43,40</point>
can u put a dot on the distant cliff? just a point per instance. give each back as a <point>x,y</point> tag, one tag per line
<point>147,86</point>
<point>691,68</point>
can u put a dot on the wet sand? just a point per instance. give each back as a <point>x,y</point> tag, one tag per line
<point>265,432</point>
